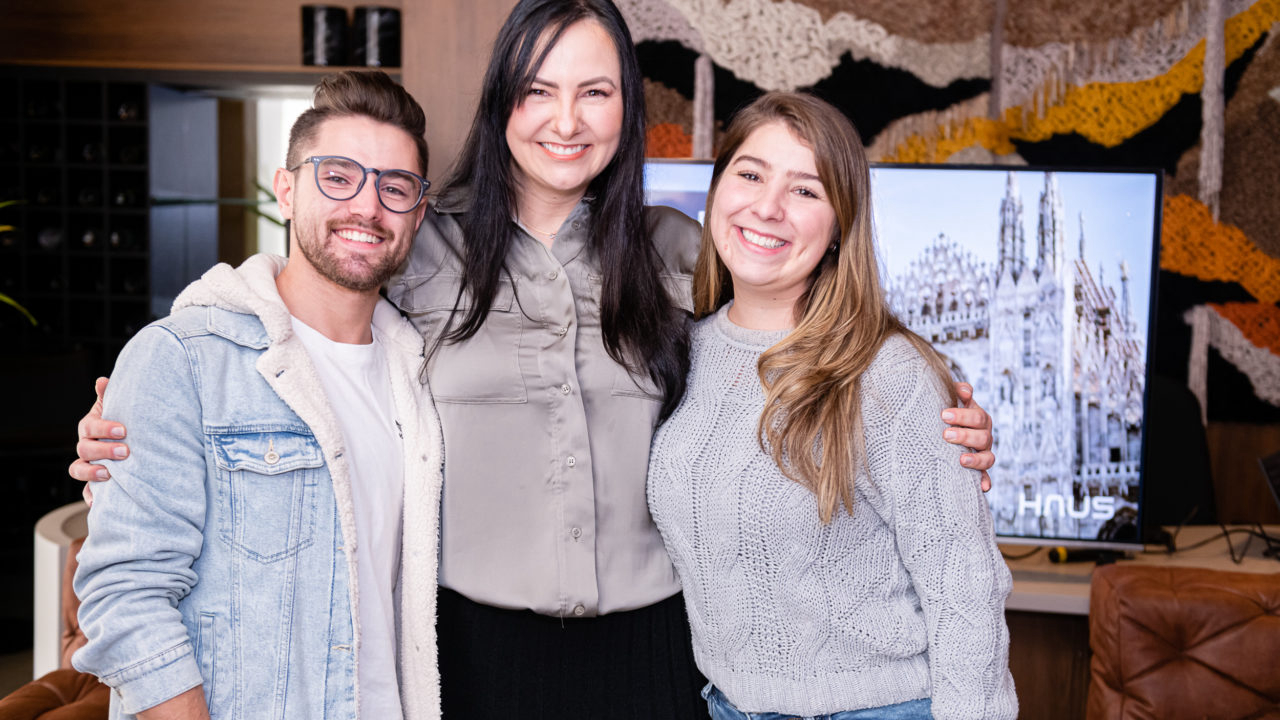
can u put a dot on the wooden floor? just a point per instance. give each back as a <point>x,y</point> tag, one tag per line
<point>15,671</point>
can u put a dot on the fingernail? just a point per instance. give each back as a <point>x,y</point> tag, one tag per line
<point>120,452</point>
<point>965,460</point>
<point>948,415</point>
<point>102,474</point>
<point>950,434</point>
<point>117,432</point>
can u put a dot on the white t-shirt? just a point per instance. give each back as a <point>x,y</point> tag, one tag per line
<point>357,382</point>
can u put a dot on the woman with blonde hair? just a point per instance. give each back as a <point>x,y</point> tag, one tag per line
<point>836,560</point>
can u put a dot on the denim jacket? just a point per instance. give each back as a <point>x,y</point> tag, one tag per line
<point>222,553</point>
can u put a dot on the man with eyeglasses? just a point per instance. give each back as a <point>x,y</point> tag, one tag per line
<point>250,558</point>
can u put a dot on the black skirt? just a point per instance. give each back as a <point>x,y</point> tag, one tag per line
<point>500,664</point>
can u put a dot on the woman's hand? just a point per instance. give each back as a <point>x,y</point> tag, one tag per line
<point>970,427</point>
<point>95,443</point>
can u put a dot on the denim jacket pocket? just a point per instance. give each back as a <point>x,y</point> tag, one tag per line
<point>207,656</point>
<point>267,491</point>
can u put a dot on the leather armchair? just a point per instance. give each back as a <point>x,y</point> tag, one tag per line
<point>1183,643</point>
<point>65,693</point>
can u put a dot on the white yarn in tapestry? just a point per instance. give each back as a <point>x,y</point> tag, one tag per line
<point>997,56</point>
<point>1212,101</point>
<point>1209,329</point>
<point>704,107</point>
<point>1146,53</point>
<point>937,64</point>
<point>785,45</point>
<point>978,155</point>
<point>926,125</point>
<point>777,46</point>
<point>657,20</point>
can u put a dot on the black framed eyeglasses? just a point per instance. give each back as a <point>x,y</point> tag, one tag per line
<point>341,178</point>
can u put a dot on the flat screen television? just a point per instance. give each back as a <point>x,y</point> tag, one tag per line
<point>1038,286</point>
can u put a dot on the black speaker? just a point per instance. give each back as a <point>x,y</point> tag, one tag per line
<point>375,37</point>
<point>324,35</point>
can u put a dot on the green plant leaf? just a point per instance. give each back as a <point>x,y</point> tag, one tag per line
<point>10,301</point>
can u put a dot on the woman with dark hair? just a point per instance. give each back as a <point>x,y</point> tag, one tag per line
<point>837,561</point>
<point>555,305</point>
<point>552,300</point>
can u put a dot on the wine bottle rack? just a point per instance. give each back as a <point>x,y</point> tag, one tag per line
<point>74,151</point>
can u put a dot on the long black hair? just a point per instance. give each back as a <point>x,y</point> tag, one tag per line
<point>642,330</point>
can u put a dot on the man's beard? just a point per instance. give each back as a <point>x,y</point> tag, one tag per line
<point>354,272</point>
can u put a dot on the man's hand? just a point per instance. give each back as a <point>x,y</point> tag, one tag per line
<point>971,428</point>
<point>95,444</point>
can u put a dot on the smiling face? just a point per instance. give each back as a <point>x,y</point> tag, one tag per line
<point>565,131</point>
<point>357,243</point>
<point>770,219</point>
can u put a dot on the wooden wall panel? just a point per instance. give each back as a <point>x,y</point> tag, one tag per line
<point>150,34</point>
<point>1241,492</point>
<point>445,49</point>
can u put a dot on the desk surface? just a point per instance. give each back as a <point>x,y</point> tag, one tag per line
<point>1042,586</point>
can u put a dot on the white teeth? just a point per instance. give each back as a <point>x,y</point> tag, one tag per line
<point>761,240</point>
<point>357,236</point>
<point>563,149</point>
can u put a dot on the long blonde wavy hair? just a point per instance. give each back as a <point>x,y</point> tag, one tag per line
<point>813,377</point>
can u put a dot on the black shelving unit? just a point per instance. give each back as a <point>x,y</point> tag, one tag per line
<point>75,153</point>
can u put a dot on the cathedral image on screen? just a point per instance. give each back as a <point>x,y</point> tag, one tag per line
<point>1052,338</point>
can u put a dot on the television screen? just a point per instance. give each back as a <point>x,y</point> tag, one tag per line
<point>1037,285</point>
<point>681,184</point>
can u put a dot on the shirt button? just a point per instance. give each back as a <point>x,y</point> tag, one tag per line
<point>579,610</point>
<point>552,275</point>
<point>561,331</point>
<point>576,533</point>
<point>565,389</point>
<point>571,461</point>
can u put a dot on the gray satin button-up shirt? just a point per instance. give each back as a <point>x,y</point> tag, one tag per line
<point>546,437</point>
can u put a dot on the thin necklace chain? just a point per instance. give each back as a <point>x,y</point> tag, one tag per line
<point>527,226</point>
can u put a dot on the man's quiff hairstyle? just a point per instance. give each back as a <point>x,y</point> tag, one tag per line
<point>360,93</point>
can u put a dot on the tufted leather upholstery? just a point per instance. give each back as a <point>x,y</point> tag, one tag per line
<point>1183,643</point>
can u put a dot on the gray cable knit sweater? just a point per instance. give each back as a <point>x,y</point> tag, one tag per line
<point>902,600</point>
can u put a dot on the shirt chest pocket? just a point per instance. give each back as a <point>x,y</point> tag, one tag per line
<point>267,492</point>
<point>640,385</point>
<point>484,368</point>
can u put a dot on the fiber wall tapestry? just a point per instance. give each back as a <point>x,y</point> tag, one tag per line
<point>1192,86</point>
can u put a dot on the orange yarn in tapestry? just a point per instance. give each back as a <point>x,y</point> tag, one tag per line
<point>668,140</point>
<point>1110,113</point>
<point>1259,322</point>
<point>1192,243</point>
<point>990,134</point>
<point>1105,113</point>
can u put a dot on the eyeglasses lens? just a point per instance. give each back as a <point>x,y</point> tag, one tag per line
<point>340,179</point>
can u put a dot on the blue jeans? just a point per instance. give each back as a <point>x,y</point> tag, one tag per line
<point>721,709</point>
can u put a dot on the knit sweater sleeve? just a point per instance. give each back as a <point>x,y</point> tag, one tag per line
<point>944,534</point>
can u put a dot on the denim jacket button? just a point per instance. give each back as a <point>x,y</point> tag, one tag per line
<point>271,457</point>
